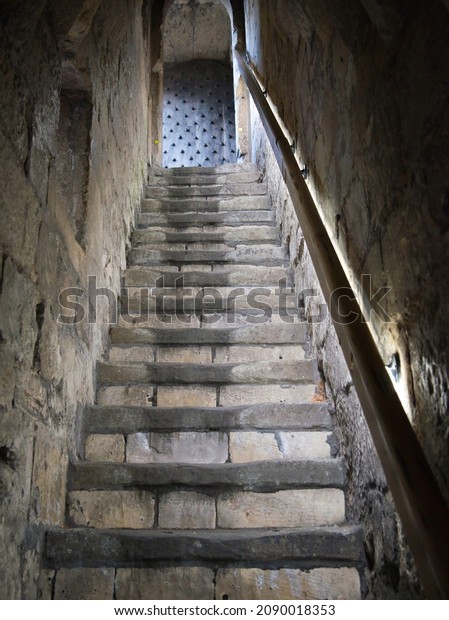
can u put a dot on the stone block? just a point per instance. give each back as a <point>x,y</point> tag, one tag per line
<point>135,395</point>
<point>112,509</point>
<point>183,447</point>
<point>187,396</point>
<point>132,354</point>
<point>252,446</point>
<point>185,354</point>
<point>177,583</point>
<point>107,448</point>
<point>233,395</point>
<point>248,446</point>
<point>182,510</point>
<point>49,478</point>
<point>288,584</point>
<point>45,584</point>
<point>84,584</point>
<point>292,508</point>
<point>241,353</point>
<point>194,267</point>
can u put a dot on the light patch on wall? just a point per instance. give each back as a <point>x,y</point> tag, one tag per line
<point>197,29</point>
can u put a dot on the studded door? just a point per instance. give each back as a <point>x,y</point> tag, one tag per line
<point>198,115</point>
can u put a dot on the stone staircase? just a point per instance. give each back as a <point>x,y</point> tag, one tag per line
<point>208,468</point>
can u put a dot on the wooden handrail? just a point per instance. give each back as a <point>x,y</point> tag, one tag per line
<point>418,499</point>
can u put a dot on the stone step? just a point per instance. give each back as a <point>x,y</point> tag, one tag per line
<point>220,298</point>
<point>249,334</point>
<point>228,218</point>
<point>209,246</point>
<point>204,171</point>
<point>232,236</point>
<point>307,547</point>
<point>301,371</point>
<point>126,420</point>
<point>197,178</point>
<point>193,510</point>
<point>227,318</point>
<point>249,275</point>
<point>260,477</point>
<point>206,354</point>
<point>269,255</point>
<point>208,446</point>
<point>167,204</point>
<point>200,395</point>
<point>230,188</point>
<point>208,319</point>
<point>333,581</point>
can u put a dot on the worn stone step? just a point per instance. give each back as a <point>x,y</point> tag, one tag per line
<point>219,298</point>
<point>205,204</point>
<point>287,333</point>
<point>207,354</point>
<point>203,171</point>
<point>208,446</point>
<point>341,583</point>
<point>302,371</point>
<point>198,395</point>
<point>183,510</point>
<point>261,476</point>
<point>193,246</point>
<point>207,319</point>
<point>202,583</point>
<point>197,178</point>
<point>228,218</point>
<point>308,547</point>
<point>265,255</point>
<point>126,420</point>
<point>227,234</point>
<point>230,188</point>
<point>249,275</point>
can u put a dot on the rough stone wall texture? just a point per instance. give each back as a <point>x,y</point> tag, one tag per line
<point>195,29</point>
<point>73,122</point>
<point>362,88</point>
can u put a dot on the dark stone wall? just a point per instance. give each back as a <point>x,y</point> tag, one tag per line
<point>73,154</point>
<point>362,88</point>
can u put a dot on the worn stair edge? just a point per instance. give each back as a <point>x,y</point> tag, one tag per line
<point>186,180</point>
<point>230,218</point>
<point>260,299</point>
<point>227,189</point>
<point>275,548</point>
<point>266,235</point>
<point>227,169</point>
<point>125,420</point>
<point>167,373</point>
<point>259,476</point>
<point>167,204</point>
<point>294,333</point>
<point>144,256</point>
<point>237,276</point>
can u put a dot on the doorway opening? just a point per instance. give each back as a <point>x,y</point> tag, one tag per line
<point>198,96</point>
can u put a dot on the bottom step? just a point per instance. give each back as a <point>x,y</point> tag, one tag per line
<point>197,583</point>
<point>274,548</point>
<point>313,563</point>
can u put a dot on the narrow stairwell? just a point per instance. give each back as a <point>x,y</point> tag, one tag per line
<point>208,471</point>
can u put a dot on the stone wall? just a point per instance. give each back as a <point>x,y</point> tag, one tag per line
<point>361,88</point>
<point>73,122</point>
<point>195,29</point>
